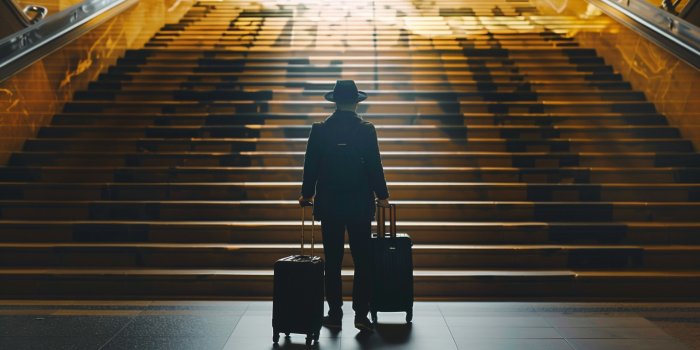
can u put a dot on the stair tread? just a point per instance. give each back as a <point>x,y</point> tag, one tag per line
<point>295,156</point>
<point>379,127</point>
<point>268,273</point>
<point>342,51</point>
<point>151,272</point>
<point>384,153</point>
<point>401,223</point>
<point>417,248</point>
<point>454,92</point>
<point>417,82</point>
<point>398,202</point>
<point>380,139</point>
<point>261,184</point>
<point>323,102</point>
<point>390,168</point>
<point>365,115</point>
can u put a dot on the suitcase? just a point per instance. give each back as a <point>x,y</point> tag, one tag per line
<point>298,296</point>
<point>392,278</point>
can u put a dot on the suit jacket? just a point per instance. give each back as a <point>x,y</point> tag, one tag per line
<point>329,205</point>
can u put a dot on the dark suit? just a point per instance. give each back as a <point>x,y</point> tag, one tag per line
<point>352,210</point>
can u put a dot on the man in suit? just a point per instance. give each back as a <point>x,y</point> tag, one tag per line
<point>343,175</point>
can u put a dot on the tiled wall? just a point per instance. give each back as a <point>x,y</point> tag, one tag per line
<point>30,98</point>
<point>670,83</point>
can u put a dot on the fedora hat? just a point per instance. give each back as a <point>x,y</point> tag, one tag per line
<point>345,91</point>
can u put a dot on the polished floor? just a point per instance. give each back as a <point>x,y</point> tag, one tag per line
<point>204,325</point>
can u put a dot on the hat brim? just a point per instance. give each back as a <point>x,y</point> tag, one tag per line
<point>361,96</point>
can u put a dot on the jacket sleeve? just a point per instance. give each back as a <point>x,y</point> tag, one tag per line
<point>374,165</point>
<point>311,163</point>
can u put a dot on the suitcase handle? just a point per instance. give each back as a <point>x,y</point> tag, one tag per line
<point>381,221</point>
<point>313,227</point>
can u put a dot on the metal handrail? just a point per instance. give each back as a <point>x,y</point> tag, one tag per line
<point>30,44</point>
<point>665,29</point>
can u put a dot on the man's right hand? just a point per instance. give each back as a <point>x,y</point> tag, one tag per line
<point>306,202</point>
<point>384,203</point>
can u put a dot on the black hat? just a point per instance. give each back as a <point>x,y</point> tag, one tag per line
<point>345,91</point>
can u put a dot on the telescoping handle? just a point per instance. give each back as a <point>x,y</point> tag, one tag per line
<point>313,227</point>
<point>381,221</point>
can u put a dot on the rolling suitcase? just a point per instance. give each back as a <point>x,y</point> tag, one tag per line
<point>298,295</point>
<point>392,278</point>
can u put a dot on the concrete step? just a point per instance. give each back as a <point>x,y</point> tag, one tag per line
<point>306,52</point>
<point>194,33</point>
<point>287,232</point>
<point>363,44</point>
<point>399,190</point>
<point>453,211</point>
<point>177,174</point>
<point>388,34</point>
<point>385,144</point>
<point>456,69</point>
<point>260,256</point>
<point>467,119</point>
<point>402,159</point>
<point>368,42</point>
<point>457,132</point>
<point>284,77</point>
<point>132,59</point>
<point>314,95</point>
<point>419,107</point>
<point>381,85</point>
<point>238,283</point>
<point>376,31</point>
<point>193,57</point>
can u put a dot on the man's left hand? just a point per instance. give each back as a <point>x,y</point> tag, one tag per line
<point>384,203</point>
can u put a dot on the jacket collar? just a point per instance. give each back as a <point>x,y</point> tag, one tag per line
<point>344,114</point>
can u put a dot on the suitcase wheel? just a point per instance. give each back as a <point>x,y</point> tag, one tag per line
<point>309,339</point>
<point>286,335</point>
<point>409,315</point>
<point>275,337</point>
<point>374,316</point>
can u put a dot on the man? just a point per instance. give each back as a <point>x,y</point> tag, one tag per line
<point>342,167</point>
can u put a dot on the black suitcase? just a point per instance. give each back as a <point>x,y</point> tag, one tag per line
<point>393,268</point>
<point>297,305</point>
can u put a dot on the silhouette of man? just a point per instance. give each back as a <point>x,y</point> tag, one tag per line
<point>343,168</point>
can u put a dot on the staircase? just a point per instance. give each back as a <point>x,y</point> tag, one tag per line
<point>523,166</point>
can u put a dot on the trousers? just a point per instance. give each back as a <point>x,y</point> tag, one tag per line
<point>359,234</point>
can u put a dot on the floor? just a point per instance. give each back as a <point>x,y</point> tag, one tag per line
<point>203,325</point>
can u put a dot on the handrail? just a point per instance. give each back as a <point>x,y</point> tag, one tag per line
<point>29,45</point>
<point>673,33</point>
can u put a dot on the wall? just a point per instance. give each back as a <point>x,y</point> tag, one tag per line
<point>29,99</point>
<point>670,83</point>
